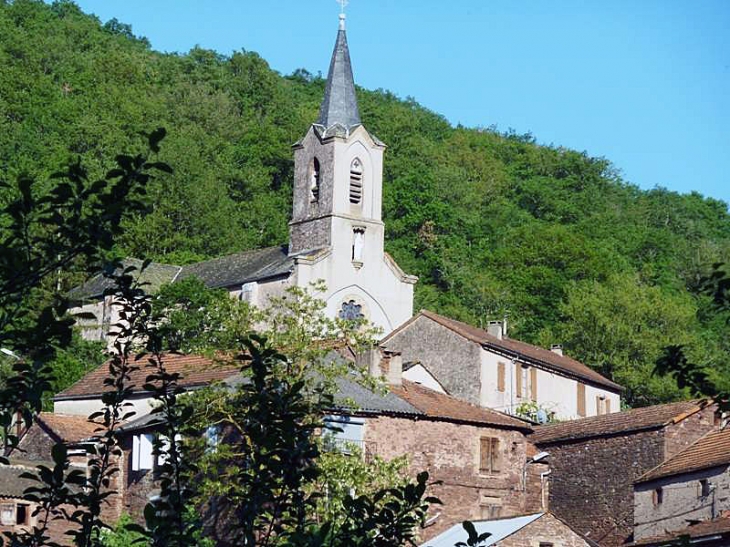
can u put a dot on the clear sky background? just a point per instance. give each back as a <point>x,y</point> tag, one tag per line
<point>644,83</point>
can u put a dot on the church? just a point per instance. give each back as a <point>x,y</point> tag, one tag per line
<point>336,228</point>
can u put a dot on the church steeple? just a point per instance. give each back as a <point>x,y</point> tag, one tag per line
<point>339,106</point>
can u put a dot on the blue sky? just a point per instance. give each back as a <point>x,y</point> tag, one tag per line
<point>644,83</point>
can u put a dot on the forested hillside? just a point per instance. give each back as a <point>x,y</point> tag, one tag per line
<point>492,223</point>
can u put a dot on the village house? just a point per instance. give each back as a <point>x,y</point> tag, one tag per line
<point>690,487</point>
<point>336,231</point>
<point>492,370</point>
<point>538,530</point>
<point>709,533</point>
<point>595,461</point>
<point>486,465</point>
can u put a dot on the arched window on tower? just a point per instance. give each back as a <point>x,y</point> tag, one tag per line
<point>356,182</point>
<point>314,177</point>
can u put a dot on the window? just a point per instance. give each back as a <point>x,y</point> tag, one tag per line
<point>545,544</point>
<point>314,177</point>
<point>705,488</point>
<point>603,405</point>
<point>524,381</point>
<point>249,292</point>
<point>344,433</point>
<point>142,458</point>
<point>533,384</point>
<point>500,377</point>
<point>488,455</point>
<point>7,514</point>
<point>351,311</point>
<point>358,243</point>
<point>356,182</point>
<point>658,496</point>
<point>490,507</point>
<point>581,400</point>
<point>21,514</point>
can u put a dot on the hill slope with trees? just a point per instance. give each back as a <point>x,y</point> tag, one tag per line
<point>492,223</point>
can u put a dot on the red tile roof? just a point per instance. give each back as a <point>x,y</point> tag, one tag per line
<point>195,370</point>
<point>541,356</point>
<point>618,422</point>
<point>720,526</point>
<point>440,406</point>
<point>712,450</point>
<point>69,429</point>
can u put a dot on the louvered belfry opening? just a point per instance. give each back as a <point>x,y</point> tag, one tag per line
<point>356,182</point>
<point>314,176</point>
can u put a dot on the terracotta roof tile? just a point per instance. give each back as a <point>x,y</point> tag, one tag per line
<point>195,370</point>
<point>618,422</point>
<point>69,429</point>
<point>696,531</point>
<point>438,405</point>
<point>541,356</point>
<point>712,450</point>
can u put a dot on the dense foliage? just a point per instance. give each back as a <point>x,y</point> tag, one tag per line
<point>492,223</point>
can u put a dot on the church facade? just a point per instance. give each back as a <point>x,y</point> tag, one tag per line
<point>336,231</point>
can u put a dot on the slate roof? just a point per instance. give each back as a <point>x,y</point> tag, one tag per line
<point>718,527</point>
<point>240,268</point>
<point>499,528</point>
<point>68,428</point>
<point>440,406</point>
<point>514,348</point>
<point>339,106</point>
<point>195,371</point>
<point>712,450</point>
<point>155,275</point>
<point>637,419</point>
<point>11,484</point>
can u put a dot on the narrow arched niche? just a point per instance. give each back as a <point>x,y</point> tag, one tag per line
<point>315,175</point>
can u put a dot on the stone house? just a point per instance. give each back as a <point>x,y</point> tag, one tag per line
<point>595,461</point>
<point>538,530</point>
<point>492,370</point>
<point>486,464</point>
<point>336,230</point>
<point>689,487</point>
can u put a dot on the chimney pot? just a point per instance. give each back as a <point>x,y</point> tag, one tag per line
<point>495,329</point>
<point>371,359</point>
<point>557,348</point>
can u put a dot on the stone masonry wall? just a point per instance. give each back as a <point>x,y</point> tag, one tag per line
<point>591,484</point>
<point>450,453</point>
<point>547,529</point>
<point>454,361</point>
<point>679,436</point>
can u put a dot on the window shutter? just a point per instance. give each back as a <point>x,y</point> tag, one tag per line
<point>608,405</point>
<point>484,454</point>
<point>581,399</point>
<point>533,384</point>
<point>494,453</point>
<point>146,459</point>
<point>135,453</point>
<point>500,377</point>
<point>599,406</point>
<point>518,383</point>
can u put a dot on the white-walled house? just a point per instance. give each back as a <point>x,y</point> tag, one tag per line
<point>494,371</point>
<point>336,231</point>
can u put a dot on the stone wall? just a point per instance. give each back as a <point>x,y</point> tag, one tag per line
<point>453,360</point>
<point>544,530</point>
<point>450,453</point>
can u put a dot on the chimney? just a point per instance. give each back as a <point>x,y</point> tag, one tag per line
<point>371,360</point>
<point>395,369</point>
<point>557,348</point>
<point>495,329</point>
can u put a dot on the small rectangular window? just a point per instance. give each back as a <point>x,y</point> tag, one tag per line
<point>7,514</point>
<point>142,458</point>
<point>658,496</point>
<point>21,514</point>
<point>581,400</point>
<point>500,377</point>
<point>704,488</point>
<point>489,455</point>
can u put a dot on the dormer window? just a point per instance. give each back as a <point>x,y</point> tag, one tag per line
<point>314,178</point>
<point>356,182</point>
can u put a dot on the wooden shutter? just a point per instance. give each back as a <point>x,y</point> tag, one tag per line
<point>608,405</point>
<point>599,405</point>
<point>494,453</point>
<point>518,382</point>
<point>485,447</point>
<point>533,384</point>
<point>581,399</point>
<point>500,377</point>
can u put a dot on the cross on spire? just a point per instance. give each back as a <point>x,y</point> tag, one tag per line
<point>343,5</point>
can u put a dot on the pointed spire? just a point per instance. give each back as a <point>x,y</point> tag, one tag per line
<point>339,106</point>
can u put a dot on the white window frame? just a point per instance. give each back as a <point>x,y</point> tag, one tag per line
<point>142,448</point>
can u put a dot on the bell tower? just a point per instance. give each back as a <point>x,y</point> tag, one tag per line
<point>336,231</point>
<point>338,172</point>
